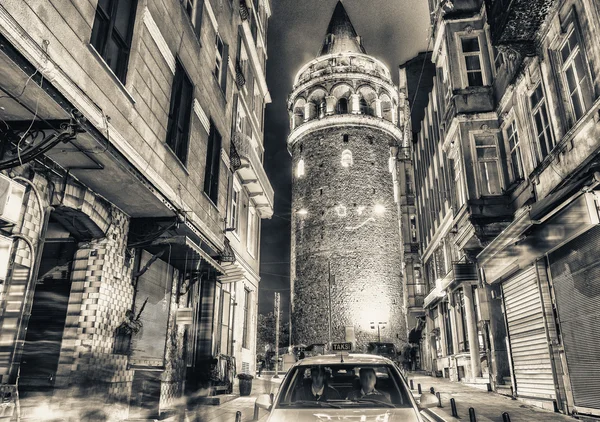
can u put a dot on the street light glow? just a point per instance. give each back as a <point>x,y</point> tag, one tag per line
<point>379,209</point>
<point>302,211</point>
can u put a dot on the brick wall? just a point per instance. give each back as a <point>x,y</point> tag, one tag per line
<point>362,246</point>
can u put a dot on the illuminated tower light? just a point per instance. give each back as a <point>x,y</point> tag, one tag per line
<point>302,211</point>
<point>347,160</point>
<point>300,168</point>
<point>379,209</point>
<point>341,210</point>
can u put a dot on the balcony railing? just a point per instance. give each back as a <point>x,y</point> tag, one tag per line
<point>515,23</point>
<point>244,11</point>
<point>240,79</point>
<point>461,271</point>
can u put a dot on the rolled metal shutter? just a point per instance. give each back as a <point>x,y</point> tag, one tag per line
<point>575,270</point>
<point>528,339</point>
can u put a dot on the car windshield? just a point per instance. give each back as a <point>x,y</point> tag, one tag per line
<point>343,386</point>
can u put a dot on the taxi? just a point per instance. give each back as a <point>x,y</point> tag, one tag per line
<point>343,400</point>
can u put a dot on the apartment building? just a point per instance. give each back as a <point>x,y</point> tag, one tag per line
<point>130,204</point>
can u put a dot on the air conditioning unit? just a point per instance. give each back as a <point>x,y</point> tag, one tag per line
<point>5,250</point>
<point>11,199</point>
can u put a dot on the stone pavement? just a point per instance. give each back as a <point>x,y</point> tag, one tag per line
<point>488,406</point>
<point>226,412</point>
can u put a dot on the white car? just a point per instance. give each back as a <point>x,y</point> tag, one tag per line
<point>393,402</point>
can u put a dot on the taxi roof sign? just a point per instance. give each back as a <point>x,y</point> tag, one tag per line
<point>341,347</point>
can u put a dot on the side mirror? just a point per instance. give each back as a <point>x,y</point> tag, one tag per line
<point>428,400</point>
<point>264,401</point>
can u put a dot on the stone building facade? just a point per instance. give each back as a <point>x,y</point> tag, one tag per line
<point>346,267</point>
<point>505,163</point>
<point>131,193</point>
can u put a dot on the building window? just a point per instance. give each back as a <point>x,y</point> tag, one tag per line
<point>446,310</point>
<point>488,165</point>
<point>246,330</point>
<point>346,138</point>
<point>342,106</point>
<point>213,158</point>
<point>178,126</point>
<point>459,183</point>
<point>322,109</point>
<point>472,56</point>
<point>252,235</point>
<point>300,168</point>
<point>576,81</point>
<point>516,161</point>
<point>112,33</point>
<point>541,123</point>
<point>221,62</point>
<point>233,217</point>
<point>364,107</point>
<point>193,8</point>
<point>347,158</point>
<point>462,333</point>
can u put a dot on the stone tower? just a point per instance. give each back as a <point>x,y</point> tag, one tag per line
<point>346,257</point>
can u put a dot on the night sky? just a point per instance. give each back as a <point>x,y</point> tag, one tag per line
<point>392,31</point>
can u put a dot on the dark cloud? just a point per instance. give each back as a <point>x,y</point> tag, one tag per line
<point>392,30</point>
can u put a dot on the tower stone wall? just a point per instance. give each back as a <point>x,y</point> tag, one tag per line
<point>346,252</point>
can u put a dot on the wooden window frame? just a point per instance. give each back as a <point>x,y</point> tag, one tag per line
<point>180,113</point>
<point>104,29</point>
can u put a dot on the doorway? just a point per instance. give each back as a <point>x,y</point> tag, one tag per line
<point>45,329</point>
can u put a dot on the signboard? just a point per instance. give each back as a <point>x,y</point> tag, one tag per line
<point>341,347</point>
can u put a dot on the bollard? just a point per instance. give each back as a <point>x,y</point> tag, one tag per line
<point>472,417</point>
<point>439,397</point>
<point>453,407</point>
<point>419,389</point>
<point>432,390</point>
<point>238,416</point>
<point>412,385</point>
<point>505,417</point>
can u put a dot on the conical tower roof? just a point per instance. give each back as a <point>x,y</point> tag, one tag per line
<point>341,36</point>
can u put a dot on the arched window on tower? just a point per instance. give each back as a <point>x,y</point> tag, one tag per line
<point>364,107</point>
<point>322,109</point>
<point>342,106</point>
<point>347,160</point>
<point>300,168</point>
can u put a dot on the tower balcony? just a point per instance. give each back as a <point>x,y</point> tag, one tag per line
<point>247,163</point>
<point>344,120</point>
<point>515,23</point>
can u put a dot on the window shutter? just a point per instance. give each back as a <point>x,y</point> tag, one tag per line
<point>198,18</point>
<point>224,68</point>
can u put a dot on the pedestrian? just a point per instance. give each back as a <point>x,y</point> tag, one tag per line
<point>261,366</point>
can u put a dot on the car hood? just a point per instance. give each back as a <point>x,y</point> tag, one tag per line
<point>349,415</point>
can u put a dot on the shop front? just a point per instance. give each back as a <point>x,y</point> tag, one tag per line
<point>546,265</point>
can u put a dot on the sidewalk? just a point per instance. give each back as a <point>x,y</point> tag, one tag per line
<point>488,406</point>
<point>226,412</point>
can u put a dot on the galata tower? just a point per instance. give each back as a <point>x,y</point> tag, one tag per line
<point>346,262</point>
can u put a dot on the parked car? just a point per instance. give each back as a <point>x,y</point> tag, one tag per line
<point>343,375</point>
<point>387,350</point>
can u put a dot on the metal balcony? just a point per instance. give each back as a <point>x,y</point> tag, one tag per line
<point>244,11</point>
<point>253,174</point>
<point>515,23</point>
<point>240,79</point>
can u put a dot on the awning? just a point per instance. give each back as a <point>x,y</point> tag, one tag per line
<point>233,272</point>
<point>560,219</point>
<point>184,254</point>
<point>546,207</point>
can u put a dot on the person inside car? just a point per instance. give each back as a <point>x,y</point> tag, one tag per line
<point>317,389</point>
<point>368,378</point>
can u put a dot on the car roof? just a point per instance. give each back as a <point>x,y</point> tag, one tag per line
<point>352,358</point>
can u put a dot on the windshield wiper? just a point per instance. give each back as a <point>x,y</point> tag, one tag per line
<point>314,402</point>
<point>363,400</point>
